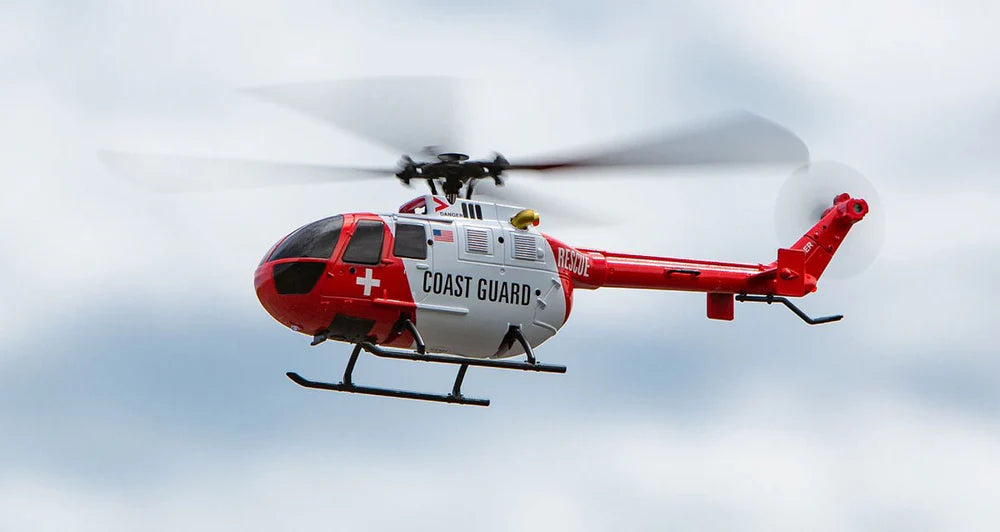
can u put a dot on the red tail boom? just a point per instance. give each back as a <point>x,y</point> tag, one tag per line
<point>794,273</point>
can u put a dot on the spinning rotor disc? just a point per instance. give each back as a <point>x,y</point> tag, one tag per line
<point>418,117</point>
<point>809,191</point>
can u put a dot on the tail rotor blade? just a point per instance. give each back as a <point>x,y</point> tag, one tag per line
<point>809,191</point>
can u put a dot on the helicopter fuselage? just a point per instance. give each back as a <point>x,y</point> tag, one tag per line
<point>467,273</point>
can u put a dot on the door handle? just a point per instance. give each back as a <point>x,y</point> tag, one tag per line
<point>423,266</point>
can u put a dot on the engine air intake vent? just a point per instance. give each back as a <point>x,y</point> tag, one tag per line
<point>477,241</point>
<point>525,247</point>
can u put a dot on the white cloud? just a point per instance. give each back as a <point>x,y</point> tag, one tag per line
<point>768,463</point>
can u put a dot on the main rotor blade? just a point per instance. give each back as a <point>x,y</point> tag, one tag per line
<point>740,138</point>
<point>552,209</point>
<point>405,114</point>
<point>175,173</point>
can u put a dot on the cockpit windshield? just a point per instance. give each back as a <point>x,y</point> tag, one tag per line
<point>315,240</point>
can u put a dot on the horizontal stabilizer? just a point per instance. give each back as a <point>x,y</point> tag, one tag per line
<point>791,272</point>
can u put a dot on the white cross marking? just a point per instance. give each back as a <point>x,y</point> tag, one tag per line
<point>368,281</point>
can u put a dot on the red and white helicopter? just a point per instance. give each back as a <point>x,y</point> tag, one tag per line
<point>453,280</point>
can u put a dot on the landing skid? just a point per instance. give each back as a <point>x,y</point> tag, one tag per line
<point>455,397</point>
<point>385,392</point>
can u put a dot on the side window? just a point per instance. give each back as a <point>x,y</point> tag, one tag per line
<point>365,246</point>
<point>411,241</point>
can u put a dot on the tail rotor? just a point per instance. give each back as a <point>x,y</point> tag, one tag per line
<point>805,197</point>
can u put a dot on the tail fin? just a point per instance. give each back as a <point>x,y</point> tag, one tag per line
<point>800,267</point>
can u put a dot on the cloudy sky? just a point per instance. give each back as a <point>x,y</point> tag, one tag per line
<point>142,386</point>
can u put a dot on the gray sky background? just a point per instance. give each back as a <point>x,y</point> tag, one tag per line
<point>142,386</point>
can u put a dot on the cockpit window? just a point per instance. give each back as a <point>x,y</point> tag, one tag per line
<point>411,241</point>
<point>315,240</point>
<point>365,246</point>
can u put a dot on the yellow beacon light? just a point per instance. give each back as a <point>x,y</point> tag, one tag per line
<point>524,218</point>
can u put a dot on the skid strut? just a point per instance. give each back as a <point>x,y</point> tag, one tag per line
<point>743,298</point>
<point>455,397</point>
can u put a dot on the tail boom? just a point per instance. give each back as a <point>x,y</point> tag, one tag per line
<point>794,273</point>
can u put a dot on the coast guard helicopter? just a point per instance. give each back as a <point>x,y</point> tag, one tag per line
<point>454,280</point>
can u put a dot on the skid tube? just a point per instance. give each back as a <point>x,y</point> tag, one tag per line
<point>455,397</point>
<point>743,298</point>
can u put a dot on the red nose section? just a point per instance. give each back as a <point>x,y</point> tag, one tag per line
<point>287,291</point>
<point>337,278</point>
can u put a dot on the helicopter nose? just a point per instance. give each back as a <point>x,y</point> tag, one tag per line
<point>285,290</point>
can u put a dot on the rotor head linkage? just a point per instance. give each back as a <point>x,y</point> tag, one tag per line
<point>455,172</point>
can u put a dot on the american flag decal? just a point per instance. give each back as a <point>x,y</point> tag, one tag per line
<point>444,235</point>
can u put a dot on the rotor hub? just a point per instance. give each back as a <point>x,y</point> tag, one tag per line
<point>452,157</point>
<point>453,172</point>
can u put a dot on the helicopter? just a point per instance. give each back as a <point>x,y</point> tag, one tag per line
<point>451,279</point>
